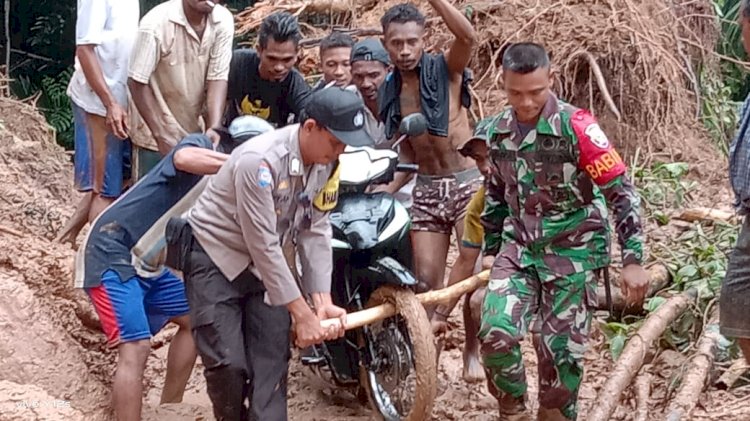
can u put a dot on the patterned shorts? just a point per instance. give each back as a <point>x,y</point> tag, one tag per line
<point>440,201</point>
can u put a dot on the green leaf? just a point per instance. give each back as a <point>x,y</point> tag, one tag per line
<point>654,303</point>
<point>616,345</point>
<point>687,272</point>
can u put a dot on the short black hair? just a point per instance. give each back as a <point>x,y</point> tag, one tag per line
<point>402,13</point>
<point>525,57</point>
<point>745,9</point>
<point>281,26</point>
<point>336,39</point>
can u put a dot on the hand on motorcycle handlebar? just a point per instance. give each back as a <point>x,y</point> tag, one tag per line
<point>330,311</point>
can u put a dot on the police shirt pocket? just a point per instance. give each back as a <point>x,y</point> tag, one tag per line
<point>207,337</point>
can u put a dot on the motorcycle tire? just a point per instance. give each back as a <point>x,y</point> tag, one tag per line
<point>423,348</point>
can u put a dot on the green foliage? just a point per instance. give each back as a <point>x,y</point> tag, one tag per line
<point>56,107</point>
<point>719,112</point>
<point>696,257</point>
<point>662,187</point>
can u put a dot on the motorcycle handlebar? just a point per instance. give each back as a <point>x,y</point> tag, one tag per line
<point>410,168</point>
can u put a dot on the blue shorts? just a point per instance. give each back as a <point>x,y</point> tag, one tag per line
<point>102,161</point>
<point>139,307</point>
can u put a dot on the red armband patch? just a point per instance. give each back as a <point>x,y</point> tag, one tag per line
<point>598,157</point>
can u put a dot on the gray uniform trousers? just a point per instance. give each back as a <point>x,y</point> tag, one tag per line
<point>243,342</point>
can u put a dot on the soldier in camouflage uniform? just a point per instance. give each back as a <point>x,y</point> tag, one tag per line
<point>554,172</point>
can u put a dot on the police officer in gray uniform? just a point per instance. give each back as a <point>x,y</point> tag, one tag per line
<point>275,189</point>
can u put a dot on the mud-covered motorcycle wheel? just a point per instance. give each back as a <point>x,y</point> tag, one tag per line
<point>414,316</point>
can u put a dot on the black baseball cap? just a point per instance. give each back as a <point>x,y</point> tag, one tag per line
<point>342,113</point>
<point>370,49</point>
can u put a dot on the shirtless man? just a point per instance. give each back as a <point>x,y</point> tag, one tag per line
<point>436,86</point>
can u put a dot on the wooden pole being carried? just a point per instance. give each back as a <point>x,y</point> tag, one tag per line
<point>631,359</point>
<point>373,314</point>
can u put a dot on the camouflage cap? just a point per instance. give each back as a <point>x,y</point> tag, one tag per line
<point>481,133</point>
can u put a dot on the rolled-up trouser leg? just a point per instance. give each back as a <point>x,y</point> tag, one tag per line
<point>506,313</point>
<point>564,320</point>
<point>267,348</point>
<point>735,289</point>
<point>216,313</point>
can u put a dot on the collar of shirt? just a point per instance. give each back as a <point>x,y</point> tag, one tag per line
<point>549,122</point>
<point>177,15</point>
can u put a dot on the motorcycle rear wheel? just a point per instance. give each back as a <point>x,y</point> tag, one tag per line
<point>423,351</point>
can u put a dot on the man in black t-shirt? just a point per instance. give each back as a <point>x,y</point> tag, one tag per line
<point>264,83</point>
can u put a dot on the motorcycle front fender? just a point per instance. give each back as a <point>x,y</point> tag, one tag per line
<point>391,271</point>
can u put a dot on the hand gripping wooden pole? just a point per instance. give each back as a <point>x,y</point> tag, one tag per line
<point>383,311</point>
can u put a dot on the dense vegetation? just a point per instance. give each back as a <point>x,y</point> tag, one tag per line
<point>42,49</point>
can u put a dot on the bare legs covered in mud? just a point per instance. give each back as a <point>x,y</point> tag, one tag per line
<point>465,266</point>
<point>430,255</point>
<point>128,382</point>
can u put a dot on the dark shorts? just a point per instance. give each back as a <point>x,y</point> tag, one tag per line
<point>440,202</point>
<point>139,307</point>
<point>735,290</point>
<point>102,161</point>
<point>144,160</point>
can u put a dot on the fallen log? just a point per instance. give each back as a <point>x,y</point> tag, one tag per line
<point>642,386</point>
<point>658,279</point>
<point>729,378</point>
<point>707,214</point>
<point>695,378</point>
<point>632,356</point>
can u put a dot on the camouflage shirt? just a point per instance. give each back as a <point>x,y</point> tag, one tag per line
<point>548,193</point>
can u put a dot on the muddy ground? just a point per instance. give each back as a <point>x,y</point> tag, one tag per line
<point>54,364</point>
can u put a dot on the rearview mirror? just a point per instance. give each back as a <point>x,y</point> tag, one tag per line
<point>413,125</point>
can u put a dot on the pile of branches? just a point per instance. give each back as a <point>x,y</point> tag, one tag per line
<point>634,63</point>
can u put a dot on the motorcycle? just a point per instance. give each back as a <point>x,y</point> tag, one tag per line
<point>391,363</point>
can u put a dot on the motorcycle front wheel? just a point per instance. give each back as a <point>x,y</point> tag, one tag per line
<point>401,381</point>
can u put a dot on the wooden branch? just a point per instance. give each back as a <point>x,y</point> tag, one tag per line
<point>364,32</point>
<point>32,55</point>
<point>729,378</point>
<point>707,214</point>
<point>600,82</point>
<point>642,386</point>
<point>10,231</point>
<point>695,378</point>
<point>373,314</point>
<point>658,279</point>
<point>635,350</point>
<point>7,40</point>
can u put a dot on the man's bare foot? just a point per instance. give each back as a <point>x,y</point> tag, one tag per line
<point>473,370</point>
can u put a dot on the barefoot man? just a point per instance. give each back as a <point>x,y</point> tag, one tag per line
<point>436,86</point>
<point>476,149</point>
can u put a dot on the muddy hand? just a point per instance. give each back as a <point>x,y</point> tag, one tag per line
<point>634,284</point>
<point>336,329</point>
<point>308,331</point>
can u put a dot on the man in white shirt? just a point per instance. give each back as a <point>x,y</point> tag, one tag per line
<point>105,32</point>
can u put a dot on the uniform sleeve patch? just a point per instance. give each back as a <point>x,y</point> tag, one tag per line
<point>265,178</point>
<point>327,198</point>
<point>597,156</point>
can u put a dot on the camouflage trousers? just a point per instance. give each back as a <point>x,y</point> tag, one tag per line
<point>562,308</point>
